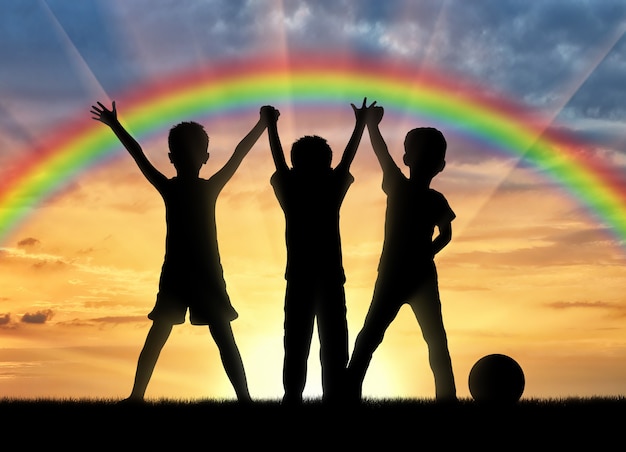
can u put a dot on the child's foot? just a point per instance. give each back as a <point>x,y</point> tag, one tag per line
<point>353,392</point>
<point>291,401</point>
<point>131,401</point>
<point>244,400</point>
<point>447,400</point>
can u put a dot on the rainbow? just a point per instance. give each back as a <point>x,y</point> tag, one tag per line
<point>310,81</point>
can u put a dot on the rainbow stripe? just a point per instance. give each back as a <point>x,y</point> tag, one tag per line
<point>317,81</point>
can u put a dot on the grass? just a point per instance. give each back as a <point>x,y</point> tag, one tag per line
<point>378,425</point>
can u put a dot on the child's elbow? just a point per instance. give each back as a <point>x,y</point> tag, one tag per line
<point>445,232</point>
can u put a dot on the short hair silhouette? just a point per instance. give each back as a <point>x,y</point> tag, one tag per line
<point>192,276</point>
<point>311,152</point>
<point>428,139</point>
<point>311,194</point>
<point>425,147</point>
<point>406,271</point>
<point>188,136</point>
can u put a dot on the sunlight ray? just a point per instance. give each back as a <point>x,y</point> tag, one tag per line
<point>563,99</point>
<point>428,55</point>
<point>575,84</point>
<point>529,271</point>
<point>15,129</point>
<point>81,66</point>
<point>287,110</point>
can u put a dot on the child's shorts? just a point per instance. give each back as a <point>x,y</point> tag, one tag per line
<point>205,310</point>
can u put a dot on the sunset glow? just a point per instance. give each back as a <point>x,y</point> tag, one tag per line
<point>535,173</point>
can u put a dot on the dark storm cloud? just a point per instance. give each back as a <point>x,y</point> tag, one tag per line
<point>38,317</point>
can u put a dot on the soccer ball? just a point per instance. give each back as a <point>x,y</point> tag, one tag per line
<point>496,379</point>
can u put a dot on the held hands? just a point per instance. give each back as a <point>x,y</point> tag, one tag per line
<point>104,115</point>
<point>367,113</point>
<point>269,115</point>
<point>375,115</point>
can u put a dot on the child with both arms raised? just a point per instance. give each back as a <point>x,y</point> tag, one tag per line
<point>310,194</point>
<point>192,275</point>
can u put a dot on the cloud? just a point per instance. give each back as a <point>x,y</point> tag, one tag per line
<point>534,50</point>
<point>38,317</point>
<point>120,319</point>
<point>5,319</point>
<point>614,310</point>
<point>28,242</point>
<point>582,304</point>
<point>50,265</point>
<point>105,321</point>
<point>551,249</point>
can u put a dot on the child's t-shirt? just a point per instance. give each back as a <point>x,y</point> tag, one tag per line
<point>192,270</point>
<point>410,219</point>
<point>311,206</point>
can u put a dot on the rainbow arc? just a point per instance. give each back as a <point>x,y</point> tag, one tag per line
<point>314,81</point>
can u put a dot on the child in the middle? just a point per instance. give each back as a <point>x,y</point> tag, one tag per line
<point>311,194</point>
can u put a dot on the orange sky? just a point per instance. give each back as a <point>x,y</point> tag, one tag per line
<point>528,274</point>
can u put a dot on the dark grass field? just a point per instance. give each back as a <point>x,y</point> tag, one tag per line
<point>596,424</point>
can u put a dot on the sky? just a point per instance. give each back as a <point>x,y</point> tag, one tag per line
<point>532,271</point>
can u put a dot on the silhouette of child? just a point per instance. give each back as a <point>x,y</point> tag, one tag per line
<point>311,194</point>
<point>406,271</point>
<point>192,275</point>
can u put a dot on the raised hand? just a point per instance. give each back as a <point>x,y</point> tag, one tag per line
<point>269,114</point>
<point>375,115</point>
<point>362,113</point>
<point>103,114</point>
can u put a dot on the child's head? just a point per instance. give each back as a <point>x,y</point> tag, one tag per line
<point>311,153</point>
<point>425,150</point>
<point>188,143</point>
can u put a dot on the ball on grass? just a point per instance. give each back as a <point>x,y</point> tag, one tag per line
<point>496,379</point>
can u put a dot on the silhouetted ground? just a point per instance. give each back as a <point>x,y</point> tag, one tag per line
<point>384,425</point>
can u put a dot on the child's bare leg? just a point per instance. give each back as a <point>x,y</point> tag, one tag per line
<point>333,336</point>
<point>231,359</point>
<point>157,336</point>
<point>382,311</point>
<point>430,320</point>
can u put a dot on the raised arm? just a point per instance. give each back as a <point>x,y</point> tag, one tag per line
<point>109,117</point>
<point>271,114</point>
<point>360,115</point>
<point>242,149</point>
<point>374,117</point>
